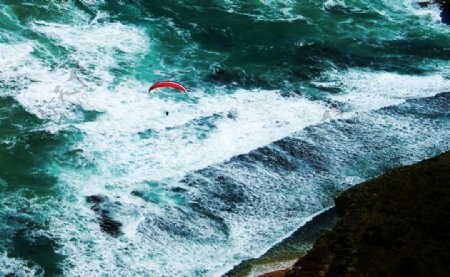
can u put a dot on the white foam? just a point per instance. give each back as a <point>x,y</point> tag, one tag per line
<point>262,117</point>
<point>268,10</point>
<point>17,66</point>
<point>17,267</point>
<point>333,3</point>
<point>432,11</point>
<point>367,90</point>
<point>95,38</point>
<point>100,46</point>
<point>53,95</point>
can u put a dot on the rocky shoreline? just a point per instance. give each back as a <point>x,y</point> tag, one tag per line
<point>394,225</point>
<point>286,253</point>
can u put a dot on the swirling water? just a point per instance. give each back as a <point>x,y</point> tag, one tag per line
<point>251,154</point>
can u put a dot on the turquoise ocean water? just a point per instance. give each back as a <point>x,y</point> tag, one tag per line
<point>290,102</point>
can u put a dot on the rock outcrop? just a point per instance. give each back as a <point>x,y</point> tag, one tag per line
<point>395,225</point>
<point>102,207</point>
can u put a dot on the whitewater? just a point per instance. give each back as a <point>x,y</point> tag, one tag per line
<point>309,100</point>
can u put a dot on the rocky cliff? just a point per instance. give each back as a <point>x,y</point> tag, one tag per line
<point>395,225</point>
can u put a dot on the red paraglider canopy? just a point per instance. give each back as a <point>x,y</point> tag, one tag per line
<point>168,84</point>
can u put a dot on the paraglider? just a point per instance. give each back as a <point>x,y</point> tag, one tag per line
<point>168,84</point>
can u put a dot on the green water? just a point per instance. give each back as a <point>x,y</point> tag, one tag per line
<point>257,72</point>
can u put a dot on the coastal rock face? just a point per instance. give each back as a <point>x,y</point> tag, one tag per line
<point>395,225</point>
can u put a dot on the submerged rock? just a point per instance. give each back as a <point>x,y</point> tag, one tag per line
<point>101,206</point>
<point>395,225</point>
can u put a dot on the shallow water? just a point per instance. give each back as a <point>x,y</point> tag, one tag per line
<point>253,152</point>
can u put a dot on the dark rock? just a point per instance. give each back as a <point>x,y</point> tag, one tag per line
<point>108,225</point>
<point>232,114</point>
<point>102,206</point>
<point>395,225</point>
<point>137,193</point>
<point>95,199</point>
<point>178,189</point>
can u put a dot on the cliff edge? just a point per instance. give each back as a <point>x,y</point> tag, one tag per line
<point>395,225</point>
